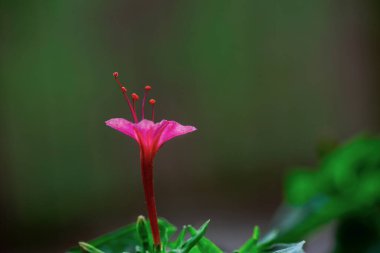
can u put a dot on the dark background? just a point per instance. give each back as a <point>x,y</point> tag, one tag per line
<point>263,81</point>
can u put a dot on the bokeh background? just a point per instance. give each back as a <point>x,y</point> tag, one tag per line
<point>263,81</point>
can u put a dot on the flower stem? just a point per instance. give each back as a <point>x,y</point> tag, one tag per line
<point>147,178</point>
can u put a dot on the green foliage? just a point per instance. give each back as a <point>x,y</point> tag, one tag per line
<point>142,231</point>
<point>204,244</point>
<point>286,248</point>
<point>127,238</point>
<point>137,238</point>
<point>251,246</point>
<point>254,245</point>
<point>89,248</point>
<point>344,188</point>
<point>350,171</point>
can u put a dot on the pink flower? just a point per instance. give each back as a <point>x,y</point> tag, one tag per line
<point>150,136</point>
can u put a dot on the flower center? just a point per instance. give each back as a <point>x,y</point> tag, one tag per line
<point>135,97</point>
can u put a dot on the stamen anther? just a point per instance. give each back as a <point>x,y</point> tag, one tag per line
<point>135,96</point>
<point>152,102</point>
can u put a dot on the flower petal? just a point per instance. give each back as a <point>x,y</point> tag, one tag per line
<point>124,126</point>
<point>148,134</point>
<point>171,129</point>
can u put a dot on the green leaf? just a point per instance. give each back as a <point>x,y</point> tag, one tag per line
<point>89,248</point>
<point>286,248</point>
<point>189,244</point>
<point>204,245</point>
<point>179,241</point>
<point>125,239</point>
<point>346,183</point>
<point>251,245</point>
<point>142,230</point>
<point>167,230</point>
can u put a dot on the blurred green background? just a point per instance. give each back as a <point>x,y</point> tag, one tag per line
<point>263,81</point>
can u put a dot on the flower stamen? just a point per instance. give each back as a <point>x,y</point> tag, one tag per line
<point>147,88</point>
<point>135,97</point>
<point>124,91</point>
<point>152,102</point>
